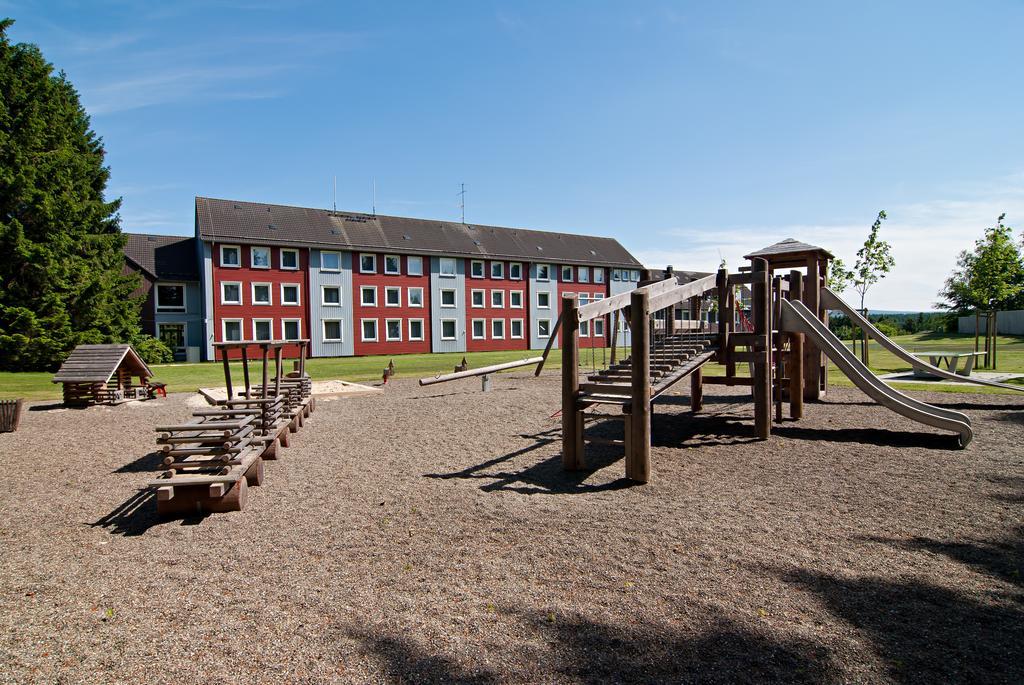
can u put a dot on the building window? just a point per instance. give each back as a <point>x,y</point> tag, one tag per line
<point>543,328</point>
<point>543,272</point>
<point>446,266</point>
<point>476,269</point>
<point>172,335</point>
<point>566,274</point>
<point>498,299</point>
<point>516,329</point>
<point>291,329</point>
<point>289,259</point>
<point>448,329</point>
<point>414,266</point>
<point>447,298</point>
<point>330,295</point>
<point>415,296</point>
<point>515,271</point>
<point>634,275</point>
<point>260,257</point>
<point>289,293</point>
<point>330,261</point>
<point>515,299</point>
<point>230,292</point>
<point>477,298</point>
<point>369,329</point>
<point>232,330</point>
<point>584,329</point>
<point>393,330</point>
<point>261,293</point>
<point>262,329</point>
<point>599,327</point>
<point>598,274</point>
<point>584,274</point>
<point>392,264</point>
<point>543,300</point>
<point>368,296</point>
<point>367,263</point>
<point>479,329</point>
<point>415,329</point>
<point>332,330</point>
<point>497,269</point>
<point>615,274</point>
<point>230,256</point>
<point>584,299</point>
<point>392,297</point>
<point>497,329</point>
<point>170,297</point>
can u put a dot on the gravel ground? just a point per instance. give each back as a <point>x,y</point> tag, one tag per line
<point>429,535</point>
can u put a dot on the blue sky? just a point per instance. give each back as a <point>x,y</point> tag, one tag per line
<point>685,130</point>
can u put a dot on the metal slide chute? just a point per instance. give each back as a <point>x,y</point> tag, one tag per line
<point>796,318</point>
<point>832,301</point>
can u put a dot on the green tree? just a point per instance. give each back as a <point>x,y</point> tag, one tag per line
<point>874,262</point>
<point>61,277</point>
<point>838,278</point>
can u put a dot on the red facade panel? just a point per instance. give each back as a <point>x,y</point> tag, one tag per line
<point>589,337</point>
<point>491,281</point>
<point>385,285</point>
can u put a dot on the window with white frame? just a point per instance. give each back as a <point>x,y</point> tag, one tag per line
<point>367,263</point>
<point>634,275</point>
<point>261,294</point>
<point>497,329</point>
<point>290,293</point>
<point>368,328</point>
<point>449,331</point>
<point>393,330</point>
<point>330,261</point>
<point>291,329</point>
<point>516,329</point>
<point>260,257</point>
<point>584,329</point>
<point>289,259</point>
<point>392,296</point>
<point>415,329</point>
<point>415,296</point>
<point>170,297</point>
<point>446,266</point>
<point>230,256</point>
<point>543,328</point>
<point>515,299</point>
<point>567,274</point>
<point>616,274</point>
<point>368,295</point>
<point>598,274</point>
<point>543,272</point>
<point>477,298</point>
<point>497,269</point>
<point>332,330</point>
<point>330,295</point>
<point>230,292</point>
<point>414,266</point>
<point>584,299</point>
<point>515,271</point>
<point>599,327</point>
<point>392,264</point>
<point>448,298</point>
<point>231,330</point>
<point>583,273</point>
<point>479,329</point>
<point>262,329</point>
<point>476,269</point>
<point>498,299</point>
<point>543,299</point>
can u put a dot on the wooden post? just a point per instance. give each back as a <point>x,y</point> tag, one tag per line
<point>722,286</point>
<point>266,378</point>
<point>812,355</point>
<point>761,350</point>
<point>615,334</point>
<point>775,335</point>
<point>227,372</point>
<point>278,353</point>
<point>697,390</point>
<point>795,367</point>
<point>245,370</point>
<point>638,460</point>
<point>572,419</point>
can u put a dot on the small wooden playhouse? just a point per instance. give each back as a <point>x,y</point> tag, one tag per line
<point>102,374</point>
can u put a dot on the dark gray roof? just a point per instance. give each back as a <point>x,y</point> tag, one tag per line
<point>250,222</point>
<point>97,363</point>
<point>787,246</point>
<point>164,257</point>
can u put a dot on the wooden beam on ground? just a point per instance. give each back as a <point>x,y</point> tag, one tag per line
<point>494,368</point>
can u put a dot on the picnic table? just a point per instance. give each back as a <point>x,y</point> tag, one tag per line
<point>949,360</point>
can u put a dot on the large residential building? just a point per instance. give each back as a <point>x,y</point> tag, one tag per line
<point>362,284</point>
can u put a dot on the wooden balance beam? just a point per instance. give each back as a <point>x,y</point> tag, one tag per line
<point>482,371</point>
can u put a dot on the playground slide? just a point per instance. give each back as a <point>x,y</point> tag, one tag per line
<point>832,301</point>
<point>797,318</point>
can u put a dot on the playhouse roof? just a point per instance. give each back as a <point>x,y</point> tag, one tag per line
<point>789,252</point>
<point>97,363</point>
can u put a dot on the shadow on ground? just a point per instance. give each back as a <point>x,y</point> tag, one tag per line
<point>137,514</point>
<point>147,463</point>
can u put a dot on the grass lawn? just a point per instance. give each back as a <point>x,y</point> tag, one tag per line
<point>188,377</point>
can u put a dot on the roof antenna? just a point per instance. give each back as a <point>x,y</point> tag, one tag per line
<point>375,196</point>
<point>335,194</point>
<point>462,201</point>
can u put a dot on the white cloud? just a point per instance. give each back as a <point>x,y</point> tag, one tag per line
<point>926,238</point>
